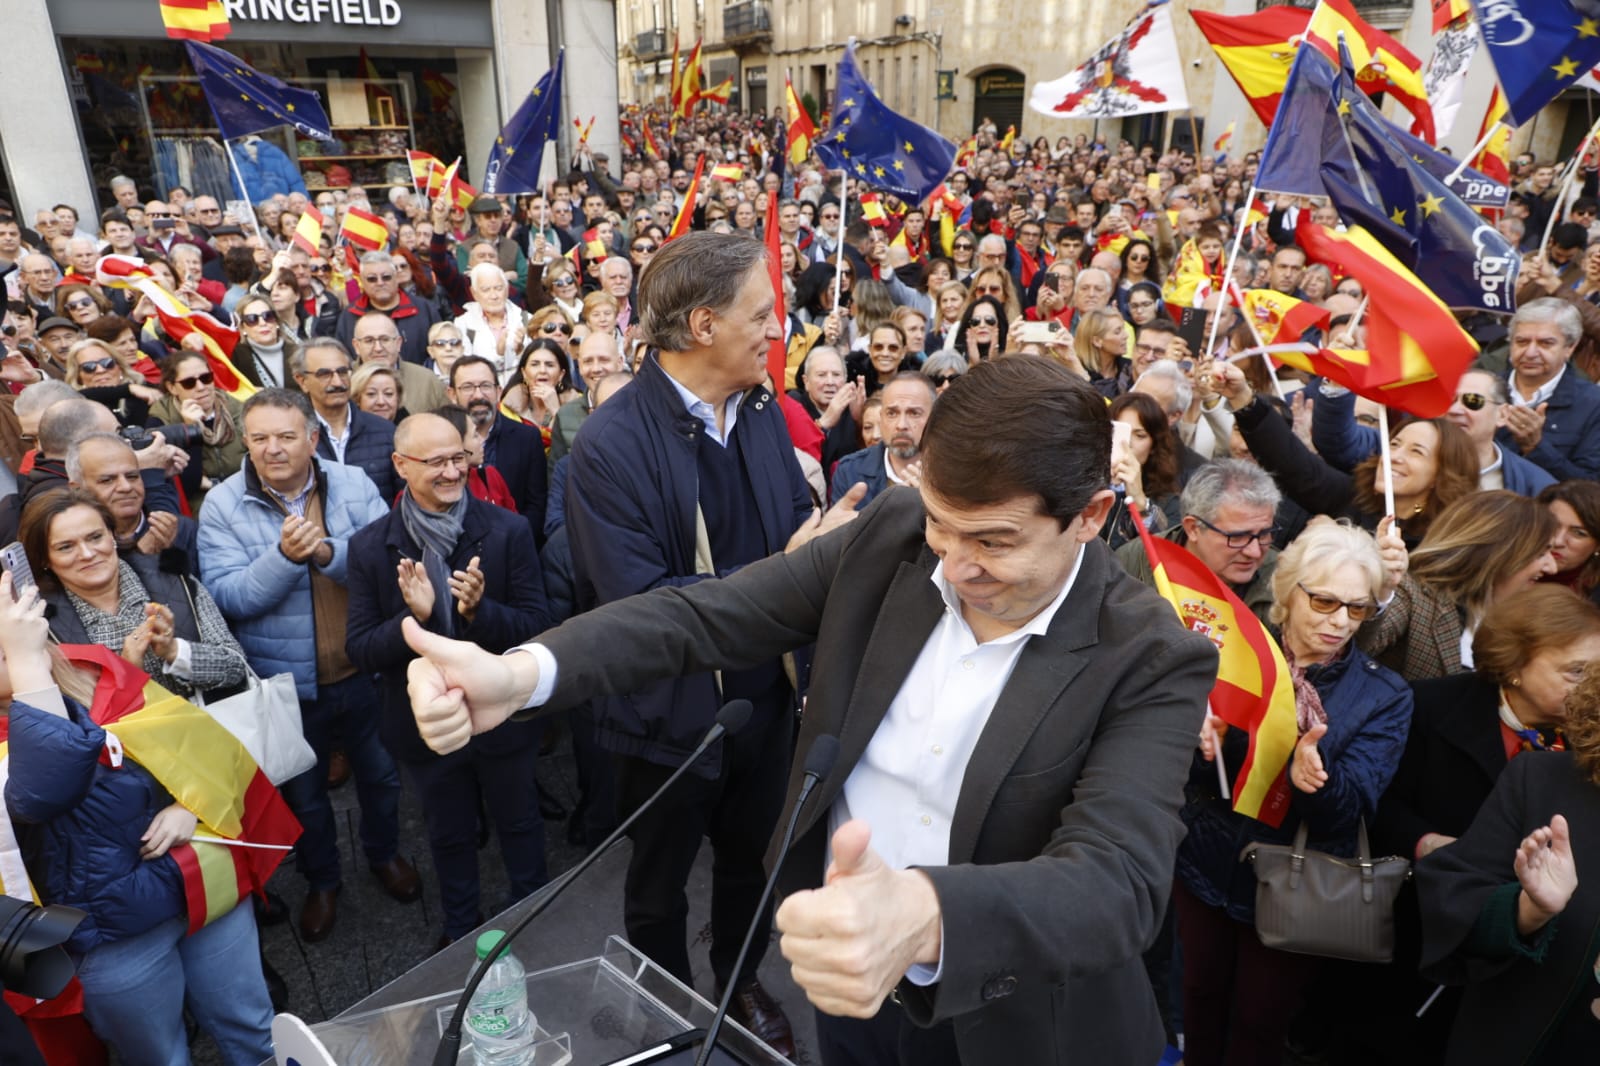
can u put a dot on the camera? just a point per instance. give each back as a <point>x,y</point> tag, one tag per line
<point>141,437</point>
<point>32,960</point>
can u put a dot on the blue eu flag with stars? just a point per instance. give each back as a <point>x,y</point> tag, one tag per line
<point>880,148</point>
<point>1539,48</point>
<point>245,101</point>
<point>518,152</point>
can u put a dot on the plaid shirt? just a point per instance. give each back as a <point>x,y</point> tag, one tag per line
<point>215,658</point>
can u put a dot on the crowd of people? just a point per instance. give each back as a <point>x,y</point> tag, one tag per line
<point>505,418</point>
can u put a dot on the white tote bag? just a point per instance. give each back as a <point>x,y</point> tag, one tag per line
<point>265,718</point>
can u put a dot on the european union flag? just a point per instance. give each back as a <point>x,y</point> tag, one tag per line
<point>244,100</point>
<point>1319,100</point>
<point>1538,48</point>
<point>878,147</point>
<point>1374,182</point>
<point>518,152</point>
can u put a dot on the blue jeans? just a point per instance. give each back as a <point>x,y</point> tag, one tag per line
<point>344,715</point>
<point>134,991</point>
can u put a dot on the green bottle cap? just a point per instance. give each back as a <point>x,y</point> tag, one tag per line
<point>488,940</point>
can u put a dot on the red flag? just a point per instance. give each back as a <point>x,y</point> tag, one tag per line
<point>680,225</point>
<point>1256,49</point>
<point>777,352</point>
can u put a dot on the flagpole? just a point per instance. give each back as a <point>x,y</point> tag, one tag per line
<point>1272,372</point>
<point>244,190</point>
<point>1473,153</point>
<point>1227,274</point>
<point>1567,182</point>
<point>838,255</point>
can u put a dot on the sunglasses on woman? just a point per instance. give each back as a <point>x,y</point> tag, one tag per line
<point>258,318</point>
<point>79,305</point>
<point>984,321</point>
<point>1322,603</point>
<point>555,327</point>
<point>320,269</point>
<point>197,380</point>
<point>942,380</point>
<point>96,366</point>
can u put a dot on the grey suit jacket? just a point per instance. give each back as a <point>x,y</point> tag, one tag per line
<point>1067,827</point>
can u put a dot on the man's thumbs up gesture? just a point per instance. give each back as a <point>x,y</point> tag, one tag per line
<point>850,942</point>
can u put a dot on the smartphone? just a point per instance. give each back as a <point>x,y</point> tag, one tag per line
<point>1192,326</point>
<point>14,561</point>
<point>1153,182</point>
<point>1114,211</point>
<point>1121,441</point>
<point>1040,333</point>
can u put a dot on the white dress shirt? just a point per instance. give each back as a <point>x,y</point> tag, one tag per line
<point>1540,395</point>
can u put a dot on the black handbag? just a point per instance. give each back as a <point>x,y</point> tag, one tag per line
<point>1312,903</point>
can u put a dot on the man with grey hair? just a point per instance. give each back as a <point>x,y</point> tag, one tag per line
<point>616,278</point>
<point>727,491</point>
<point>380,291</point>
<point>991,251</point>
<point>106,465</point>
<point>125,191</point>
<point>1093,290</point>
<point>1229,521</point>
<point>1554,416</point>
<point>346,434</point>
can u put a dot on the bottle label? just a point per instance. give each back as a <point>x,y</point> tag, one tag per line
<point>489,1022</point>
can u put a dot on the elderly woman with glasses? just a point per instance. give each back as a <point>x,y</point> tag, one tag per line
<point>80,303</point>
<point>562,286</point>
<point>96,369</point>
<point>492,326</point>
<point>193,399</point>
<point>1351,718</point>
<point>445,346</point>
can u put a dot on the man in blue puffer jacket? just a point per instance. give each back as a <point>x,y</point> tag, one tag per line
<point>274,550</point>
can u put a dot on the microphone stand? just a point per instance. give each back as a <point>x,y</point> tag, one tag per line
<point>819,763</point>
<point>730,719</point>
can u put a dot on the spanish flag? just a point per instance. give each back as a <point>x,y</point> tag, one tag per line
<point>677,77</point>
<point>1416,351</point>
<point>1280,319</point>
<point>689,83</point>
<point>427,173</point>
<point>680,225</point>
<point>872,210</point>
<point>594,249</point>
<point>728,172</point>
<point>584,131</point>
<point>1382,64</point>
<point>1006,141</point>
<point>719,92</point>
<point>1447,11</point>
<point>1225,140</point>
<point>451,185</point>
<point>195,20</point>
<point>1257,50</point>
<point>178,320</point>
<point>650,146</point>
<point>204,768</point>
<point>363,229</point>
<point>1253,692</point>
<point>1192,280</point>
<point>1495,159</point>
<point>308,231</point>
<point>802,131</point>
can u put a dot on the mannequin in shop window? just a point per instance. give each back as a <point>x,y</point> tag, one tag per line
<point>266,170</point>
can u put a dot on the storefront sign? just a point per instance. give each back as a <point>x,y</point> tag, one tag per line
<point>341,12</point>
<point>755,76</point>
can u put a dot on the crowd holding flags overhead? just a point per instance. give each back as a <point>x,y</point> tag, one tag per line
<point>518,152</point>
<point>177,319</point>
<point>1140,70</point>
<point>1254,691</point>
<point>1256,50</point>
<point>1331,140</point>
<point>878,147</point>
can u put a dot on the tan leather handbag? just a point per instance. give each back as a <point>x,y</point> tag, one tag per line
<point>1313,903</point>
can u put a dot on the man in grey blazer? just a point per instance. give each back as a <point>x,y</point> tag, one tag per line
<point>977,878</point>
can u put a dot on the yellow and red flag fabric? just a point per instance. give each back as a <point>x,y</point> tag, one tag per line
<point>363,229</point>
<point>195,20</point>
<point>689,83</point>
<point>1224,140</point>
<point>1280,318</point>
<point>1008,140</point>
<point>308,231</point>
<point>455,188</point>
<point>427,173</point>
<point>594,249</point>
<point>1192,279</point>
<point>1495,159</point>
<point>719,92</point>
<point>1254,690</point>
<point>680,225</point>
<point>802,131</point>
<point>207,770</point>
<point>178,321</point>
<point>728,172</point>
<point>1257,50</point>
<point>1447,11</point>
<point>1382,64</point>
<point>650,145</point>
<point>872,210</point>
<point>1416,350</point>
<point>584,131</point>
<point>677,77</point>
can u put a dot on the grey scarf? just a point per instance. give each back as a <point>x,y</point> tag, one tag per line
<point>438,530</point>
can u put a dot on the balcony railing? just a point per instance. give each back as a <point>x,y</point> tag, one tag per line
<point>752,18</point>
<point>650,43</point>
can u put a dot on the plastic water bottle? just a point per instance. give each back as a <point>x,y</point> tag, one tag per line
<point>498,1019</point>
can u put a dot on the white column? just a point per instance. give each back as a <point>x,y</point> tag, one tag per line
<point>590,31</point>
<point>51,168</point>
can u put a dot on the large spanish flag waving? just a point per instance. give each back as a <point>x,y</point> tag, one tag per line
<point>1382,64</point>
<point>206,770</point>
<point>1253,692</point>
<point>1416,350</point>
<point>178,319</point>
<point>1257,50</point>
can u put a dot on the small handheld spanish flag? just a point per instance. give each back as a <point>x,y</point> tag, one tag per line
<point>195,20</point>
<point>594,249</point>
<point>427,173</point>
<point>308,231</point>
<point>364,230</point>
<point>728,172</point>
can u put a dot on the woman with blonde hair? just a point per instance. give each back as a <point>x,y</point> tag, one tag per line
<point>600,314</point>
<point>950,300</point>
<point>562,285</point>
<point>1351,717</point>
<point>1101,345</point>
<point>997,282</point>
<point>100,372</point>
<point>1480,549</point>
<point>376,389</point>
<point>1509,910</point>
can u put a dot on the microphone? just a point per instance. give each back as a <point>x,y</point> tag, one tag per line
<point>824,752</point>
<point>730,719</point>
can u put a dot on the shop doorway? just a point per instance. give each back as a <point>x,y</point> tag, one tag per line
<point>998,95</point>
